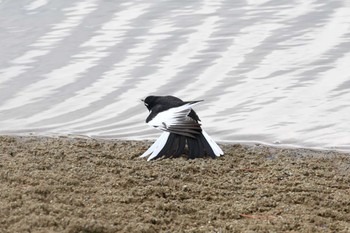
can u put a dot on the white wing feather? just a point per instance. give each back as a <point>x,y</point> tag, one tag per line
<point>173,116</point>
<point>152,148</point>
<point>217,150</point>
<point>159,144</point>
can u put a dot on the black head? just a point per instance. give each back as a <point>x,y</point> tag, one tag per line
<point>150,101</point>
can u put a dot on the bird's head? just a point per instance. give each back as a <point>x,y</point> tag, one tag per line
<point>149,101</point>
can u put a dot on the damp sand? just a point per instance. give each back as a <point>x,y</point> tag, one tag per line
<point>87,185</point>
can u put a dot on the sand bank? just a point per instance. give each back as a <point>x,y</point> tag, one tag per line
<point>87,185</point>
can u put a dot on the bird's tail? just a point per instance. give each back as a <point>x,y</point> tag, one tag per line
<point>173,145</point>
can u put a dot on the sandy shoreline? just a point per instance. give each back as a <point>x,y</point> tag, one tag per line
<point>87,185</point>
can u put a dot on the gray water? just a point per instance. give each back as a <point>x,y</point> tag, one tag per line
<point>276,72</point>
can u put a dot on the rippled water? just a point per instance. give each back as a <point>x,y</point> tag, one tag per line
<point>269,71</point>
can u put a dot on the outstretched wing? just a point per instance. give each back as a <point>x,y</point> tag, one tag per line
<point>176,120</point>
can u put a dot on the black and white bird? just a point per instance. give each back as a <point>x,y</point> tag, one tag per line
<point>181,126</point>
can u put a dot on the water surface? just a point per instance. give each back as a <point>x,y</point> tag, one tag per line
<point>269,71</point>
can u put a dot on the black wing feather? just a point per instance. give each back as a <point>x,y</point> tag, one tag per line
<point>166,147</point>
<point>181,147</point>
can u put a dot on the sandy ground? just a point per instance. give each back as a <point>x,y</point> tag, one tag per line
<point>87,185</point>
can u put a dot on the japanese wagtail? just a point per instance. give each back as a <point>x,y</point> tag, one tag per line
<point>181,126</point>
